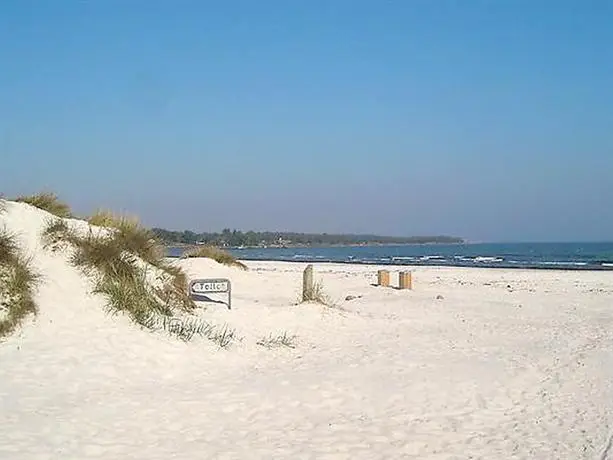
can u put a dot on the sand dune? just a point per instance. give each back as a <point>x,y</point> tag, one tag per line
<point>473,363</point>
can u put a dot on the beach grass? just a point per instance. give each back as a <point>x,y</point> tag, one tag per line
<point>47,201</point>
<point>317,294</point>
<point>131,235</point>
<point>107,218</point>
<point>17,284</point>
<point>284,339</point>
<point>217,254</point>
<point>142,287</point>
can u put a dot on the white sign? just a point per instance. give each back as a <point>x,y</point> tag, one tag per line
<point>201,287</point>
<point>209,287</point>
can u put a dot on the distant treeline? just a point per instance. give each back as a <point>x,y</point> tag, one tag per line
<point>236,238</point>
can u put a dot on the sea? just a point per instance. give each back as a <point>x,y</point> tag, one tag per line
<point>565,256</point>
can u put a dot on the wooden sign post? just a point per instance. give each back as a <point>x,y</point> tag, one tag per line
<point>307,284</point>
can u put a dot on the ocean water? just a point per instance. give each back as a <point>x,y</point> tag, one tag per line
<point>568,256</point>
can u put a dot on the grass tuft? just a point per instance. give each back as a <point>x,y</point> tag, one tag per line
<point>106,218</point>
<point>57,234</point>
<point>218,255</point>
<point>116,262</point>
<point>280,340</point>
<point>17,284</point>
<point>131,235</point>
<point>175,287</point>
<point>47,201</point>
<point>187,328</point>
<point>103,254</point>
<point>318,295</point>
<point>8,248</point>
<point>128,293</point>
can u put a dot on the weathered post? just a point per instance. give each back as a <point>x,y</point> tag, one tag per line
<point>383,278</point>
<point>307,284</point>
<point>405,280</point>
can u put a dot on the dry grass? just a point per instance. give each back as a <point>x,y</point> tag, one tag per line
<point>130,293</point>
<point>131,235</point>
<point>136,280</point>
<point>56,234</point>
<point>17,284</point>
<point>279,340</point>
<point>318,295</point>
<point>218,255</point>
<point>187,328</point>
<point>106,218</point>
<point>47,201</point>
<point>8,247</point>
<point>94,253</point>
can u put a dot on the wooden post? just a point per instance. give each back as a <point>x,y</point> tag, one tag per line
<point>405,281</point>
<point>307,284</point>
<point>383,278</point>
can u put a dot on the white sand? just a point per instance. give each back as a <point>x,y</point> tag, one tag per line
<point>487,371</point>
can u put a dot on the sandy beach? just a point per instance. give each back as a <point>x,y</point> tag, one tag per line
<point>471,363</point>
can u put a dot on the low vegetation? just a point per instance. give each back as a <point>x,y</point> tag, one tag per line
<point>279,340</point>
<point>131,236</point>
<point>17,284</point>
<point>317,294</point>
<point>47,201</point>
<point>128,267</point>
<point>187,328</point>
<point>219,255</point>
<point>105,218</point>
<point>124,265</point>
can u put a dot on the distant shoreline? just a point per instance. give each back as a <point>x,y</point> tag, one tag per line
<point>311,246</point>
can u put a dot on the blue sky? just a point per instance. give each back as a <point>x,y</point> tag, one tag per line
<point>491,120</point>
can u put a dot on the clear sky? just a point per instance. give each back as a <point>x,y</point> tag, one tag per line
<point>490,120</point>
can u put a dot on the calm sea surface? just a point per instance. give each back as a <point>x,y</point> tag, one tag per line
<point>570,256</point>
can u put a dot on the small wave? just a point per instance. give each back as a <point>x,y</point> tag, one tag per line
<point>480,259</point>
<point>483,259</point>
<point>557,263</point>
<point>607,264</point>
<point>403,258</point>
<point>431,258</point>
<point>366,260</point>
